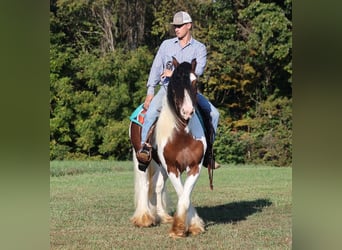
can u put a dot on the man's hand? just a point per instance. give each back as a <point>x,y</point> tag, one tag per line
<point>167,73</point>
<point>147,101</point>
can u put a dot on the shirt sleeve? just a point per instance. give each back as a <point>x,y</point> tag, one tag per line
<point>156,70</point>
<point>201,59</point>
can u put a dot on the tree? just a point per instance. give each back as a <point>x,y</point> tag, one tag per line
<point>270,44</point>
<point>249,53</point>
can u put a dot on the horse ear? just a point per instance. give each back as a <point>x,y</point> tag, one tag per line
<point>193,65</point>
<point>175,62</point>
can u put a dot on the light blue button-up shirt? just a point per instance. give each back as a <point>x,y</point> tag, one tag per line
<point>172,48</point>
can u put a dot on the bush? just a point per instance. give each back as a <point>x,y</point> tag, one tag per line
<point>264,136</point>
<point>228,146</point>
<point>115,141</point>
<point>270,128</point>
<point>58,151</point>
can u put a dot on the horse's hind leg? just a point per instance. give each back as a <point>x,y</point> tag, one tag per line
<point>159,181</point>
<point>143,215</point>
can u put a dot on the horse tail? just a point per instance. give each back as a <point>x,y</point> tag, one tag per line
<point>136,180</point>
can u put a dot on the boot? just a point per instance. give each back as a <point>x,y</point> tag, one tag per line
<point>144,156</point>
<point>209,158</point>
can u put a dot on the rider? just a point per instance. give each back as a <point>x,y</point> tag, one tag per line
<point>184,48</point>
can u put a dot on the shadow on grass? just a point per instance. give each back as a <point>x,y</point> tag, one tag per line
<point>231,212</point>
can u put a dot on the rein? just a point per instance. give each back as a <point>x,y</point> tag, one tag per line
<point>211,176</point>
<point>180,123</point>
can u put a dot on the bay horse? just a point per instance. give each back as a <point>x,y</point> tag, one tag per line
<point>179,145</point>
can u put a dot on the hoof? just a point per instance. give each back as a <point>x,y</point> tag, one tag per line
<point>195,230</point>
<point>178,235</point>
<point>178,229</point>
<point>166,219</point>
<point>196,227</point>
<point>145,220</point>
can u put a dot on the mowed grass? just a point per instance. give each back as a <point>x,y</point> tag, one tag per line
<point>91,204</point>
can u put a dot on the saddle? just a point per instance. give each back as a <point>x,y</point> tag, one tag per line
<point>137,118</point>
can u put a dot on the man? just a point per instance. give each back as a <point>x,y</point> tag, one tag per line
<point>184,48</point>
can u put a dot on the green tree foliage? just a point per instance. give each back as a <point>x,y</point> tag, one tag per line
<point>270,132</point>
<point>100,56</point>
<point>249,53</point>
<point>266,140</point>
<point>162,18</point>
<point>86,106</point>
<point>270,44</point>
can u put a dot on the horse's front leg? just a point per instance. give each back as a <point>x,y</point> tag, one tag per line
<point>186,219</point>
<point>179,227</point>
<point>143,216</point>
<point>194,222</point>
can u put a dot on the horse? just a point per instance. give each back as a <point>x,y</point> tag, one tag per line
<point>179,145</point>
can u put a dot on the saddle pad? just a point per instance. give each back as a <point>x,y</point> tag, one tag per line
<point>138,115</point>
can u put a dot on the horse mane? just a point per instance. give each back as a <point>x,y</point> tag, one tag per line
<point>180,81</point>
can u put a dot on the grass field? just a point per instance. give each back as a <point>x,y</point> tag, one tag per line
<point>91,204</point>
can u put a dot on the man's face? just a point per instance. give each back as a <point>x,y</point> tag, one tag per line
<point>182,30</point>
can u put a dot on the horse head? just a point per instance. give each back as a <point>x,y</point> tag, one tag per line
<point>182,90</point>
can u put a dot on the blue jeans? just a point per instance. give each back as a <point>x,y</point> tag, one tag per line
<point>156,104</point>
<point>208,108</point>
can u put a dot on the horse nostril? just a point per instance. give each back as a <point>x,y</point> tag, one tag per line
<point>182,112</point>
<point>187,113</point>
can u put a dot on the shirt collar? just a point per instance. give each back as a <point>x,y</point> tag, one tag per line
<point>190,41</point>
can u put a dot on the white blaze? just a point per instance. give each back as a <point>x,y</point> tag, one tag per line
<point>187,109</point>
